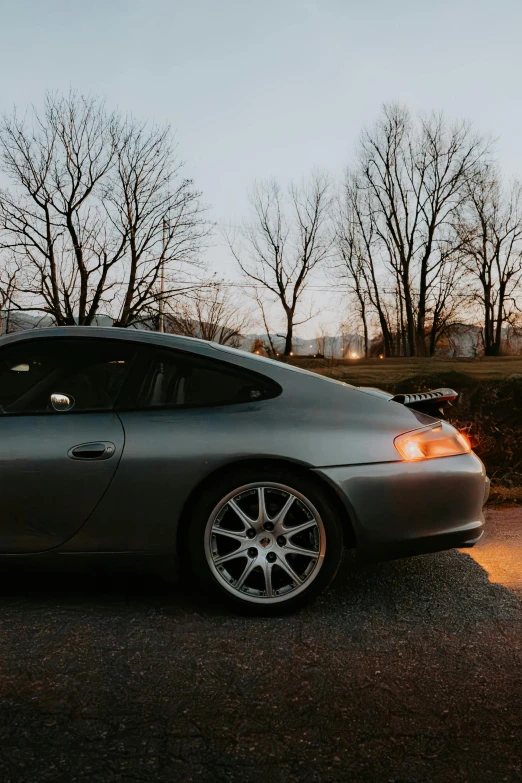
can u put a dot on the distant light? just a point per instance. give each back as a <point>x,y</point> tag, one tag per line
<point>381,356</point>
<point>291,353</point>
<point>257,351</point>
<point>354,356</point>
<point>310,346</point>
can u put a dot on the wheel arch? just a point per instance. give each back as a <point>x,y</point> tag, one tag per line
<point>264,463</point>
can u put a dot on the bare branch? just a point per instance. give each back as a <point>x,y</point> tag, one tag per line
<point>288,239</point>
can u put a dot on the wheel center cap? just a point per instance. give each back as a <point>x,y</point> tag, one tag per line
<point>265,541</point>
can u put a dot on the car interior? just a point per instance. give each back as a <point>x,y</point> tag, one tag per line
<point>93,377</point>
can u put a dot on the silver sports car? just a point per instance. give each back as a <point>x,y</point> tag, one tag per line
<point>247,474</point>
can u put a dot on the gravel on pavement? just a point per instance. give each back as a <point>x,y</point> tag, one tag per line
<point>407,671</point>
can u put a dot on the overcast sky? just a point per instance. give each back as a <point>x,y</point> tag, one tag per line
<point>273,87</point>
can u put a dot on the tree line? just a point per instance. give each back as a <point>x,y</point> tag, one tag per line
<point>96,217</point>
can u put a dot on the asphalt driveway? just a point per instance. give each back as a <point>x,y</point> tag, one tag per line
<point>404,671</point>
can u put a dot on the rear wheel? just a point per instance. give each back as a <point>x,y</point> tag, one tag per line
<point>268,540</point>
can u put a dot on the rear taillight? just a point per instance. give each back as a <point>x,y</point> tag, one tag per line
<point>437,440</point>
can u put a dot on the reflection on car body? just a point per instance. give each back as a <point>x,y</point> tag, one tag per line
<point>251,472</point>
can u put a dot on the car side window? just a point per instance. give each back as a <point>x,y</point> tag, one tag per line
<point>172,380</point>
<point>38,376</point>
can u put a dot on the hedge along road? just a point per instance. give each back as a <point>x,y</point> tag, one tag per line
<point>404,671</point>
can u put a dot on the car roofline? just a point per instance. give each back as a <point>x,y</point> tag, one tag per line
<point>260,364</point>
<point>105,333</point>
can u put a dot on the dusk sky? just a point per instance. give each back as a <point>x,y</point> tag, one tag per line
<point>271,88</point>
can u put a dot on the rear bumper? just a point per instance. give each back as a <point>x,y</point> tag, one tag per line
<point>405,508</point>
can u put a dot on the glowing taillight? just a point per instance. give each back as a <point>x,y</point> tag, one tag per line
<point>437,440</point>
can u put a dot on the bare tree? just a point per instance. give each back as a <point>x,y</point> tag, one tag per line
<point>210,313</point>
<point>51,217</point>
<point>414,178</point>
<point>158,216</point>
<point>270,346</point>
<point>358,262</point>
<point>9,273</point>
<point>355,261</point>
<point>447,294</point>
<point>288,239</point>
<point>491,233</point>
<point>96,214</point>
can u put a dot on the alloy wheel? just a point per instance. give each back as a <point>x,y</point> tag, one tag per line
<point>265,542</point>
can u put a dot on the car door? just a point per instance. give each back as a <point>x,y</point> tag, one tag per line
<point>184,416</point>
<point>60,441</point>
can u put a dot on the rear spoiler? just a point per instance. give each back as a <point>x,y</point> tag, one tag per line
<point>432,402</point>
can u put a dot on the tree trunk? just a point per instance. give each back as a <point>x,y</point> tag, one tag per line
<point>420,335</point>
<point>433,340</point>
<point>386,334</point>
<point>497,343</point>
<point>420,338</point>
<point>289,333</point>
<point>410,320</point>
<point>402,342</point>
<point>365,329</point>
<point>489,348</point>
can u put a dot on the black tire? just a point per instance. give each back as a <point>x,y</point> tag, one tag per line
<point>313,493</point>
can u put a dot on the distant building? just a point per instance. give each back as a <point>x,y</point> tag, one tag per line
<point>511,341</point>
<point>461,341</point>
<point>466,341</point>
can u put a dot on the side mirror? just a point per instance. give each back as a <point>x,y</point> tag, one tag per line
<point>62,402</point>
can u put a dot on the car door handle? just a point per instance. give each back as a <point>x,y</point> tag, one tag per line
<point>97,450</point>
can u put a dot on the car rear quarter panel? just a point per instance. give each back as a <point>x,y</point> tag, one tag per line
<point>393,503</point>
<point>313,423</point>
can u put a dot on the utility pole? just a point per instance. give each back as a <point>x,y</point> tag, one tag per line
<point>161,324</point>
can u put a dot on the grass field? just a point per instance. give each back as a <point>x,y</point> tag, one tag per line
<point>372,372</point>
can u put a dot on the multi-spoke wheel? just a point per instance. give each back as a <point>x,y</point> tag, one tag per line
<point>269,542</point>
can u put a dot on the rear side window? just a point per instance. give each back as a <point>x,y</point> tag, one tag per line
<point>171,380</point>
